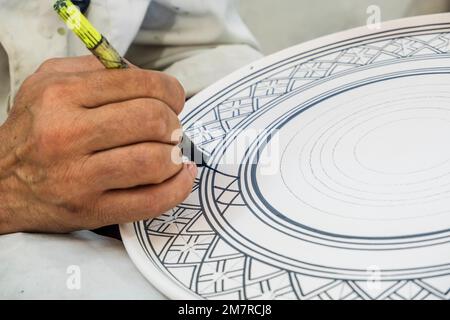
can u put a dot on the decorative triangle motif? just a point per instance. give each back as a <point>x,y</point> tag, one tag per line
<point>223,250</point>
<point>258,270</point>
<point>159,242</point>
<point>199,225</point>
<point>341,291</point>
<point>409,291</point>
<point>377,290</point>
<point>441,284</point>
<point>311,285</point>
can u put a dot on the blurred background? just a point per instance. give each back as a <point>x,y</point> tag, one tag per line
<point>279,24</point>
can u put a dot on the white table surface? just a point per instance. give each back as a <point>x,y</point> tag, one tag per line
<point>39,266</point>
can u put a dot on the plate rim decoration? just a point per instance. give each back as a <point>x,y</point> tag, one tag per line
<point>138,245</point>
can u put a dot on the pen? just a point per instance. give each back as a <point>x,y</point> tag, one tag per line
<point>111,59</point>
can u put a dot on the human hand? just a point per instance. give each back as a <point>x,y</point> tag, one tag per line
<point>86,147</point>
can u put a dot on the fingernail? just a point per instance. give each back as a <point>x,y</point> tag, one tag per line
<point>192,168</point>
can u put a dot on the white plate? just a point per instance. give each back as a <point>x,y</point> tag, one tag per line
<point>329,175</point>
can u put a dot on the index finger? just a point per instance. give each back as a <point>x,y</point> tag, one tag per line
<point>73,64</point>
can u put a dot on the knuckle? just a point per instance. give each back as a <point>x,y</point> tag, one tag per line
<point>54,91</point>
<point>154,113</point>
<point>176,135</point>
<point>179,89</point>
<point>178,93</point>
<point>169,86</point>
<point>31,80</point>
<point>160,125</point>
<point>49,64</point>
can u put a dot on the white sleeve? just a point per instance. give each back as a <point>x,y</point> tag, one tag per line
<point>193,22</point>
<point>186,38</point>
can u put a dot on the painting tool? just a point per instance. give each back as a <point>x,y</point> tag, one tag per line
<point>111,59</point>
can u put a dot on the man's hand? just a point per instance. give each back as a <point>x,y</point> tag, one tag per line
<point>86,147</point>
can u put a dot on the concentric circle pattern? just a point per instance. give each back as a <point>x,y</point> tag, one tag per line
<point>338,185</point>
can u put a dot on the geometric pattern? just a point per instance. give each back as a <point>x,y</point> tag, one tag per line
<point>184,245</point>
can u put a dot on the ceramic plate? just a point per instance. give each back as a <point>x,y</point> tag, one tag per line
<point>329,175</point>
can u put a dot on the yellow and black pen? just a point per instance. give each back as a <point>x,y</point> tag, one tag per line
<point>110,58</point>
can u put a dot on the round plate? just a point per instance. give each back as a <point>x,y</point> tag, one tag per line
<point>329,176</point>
